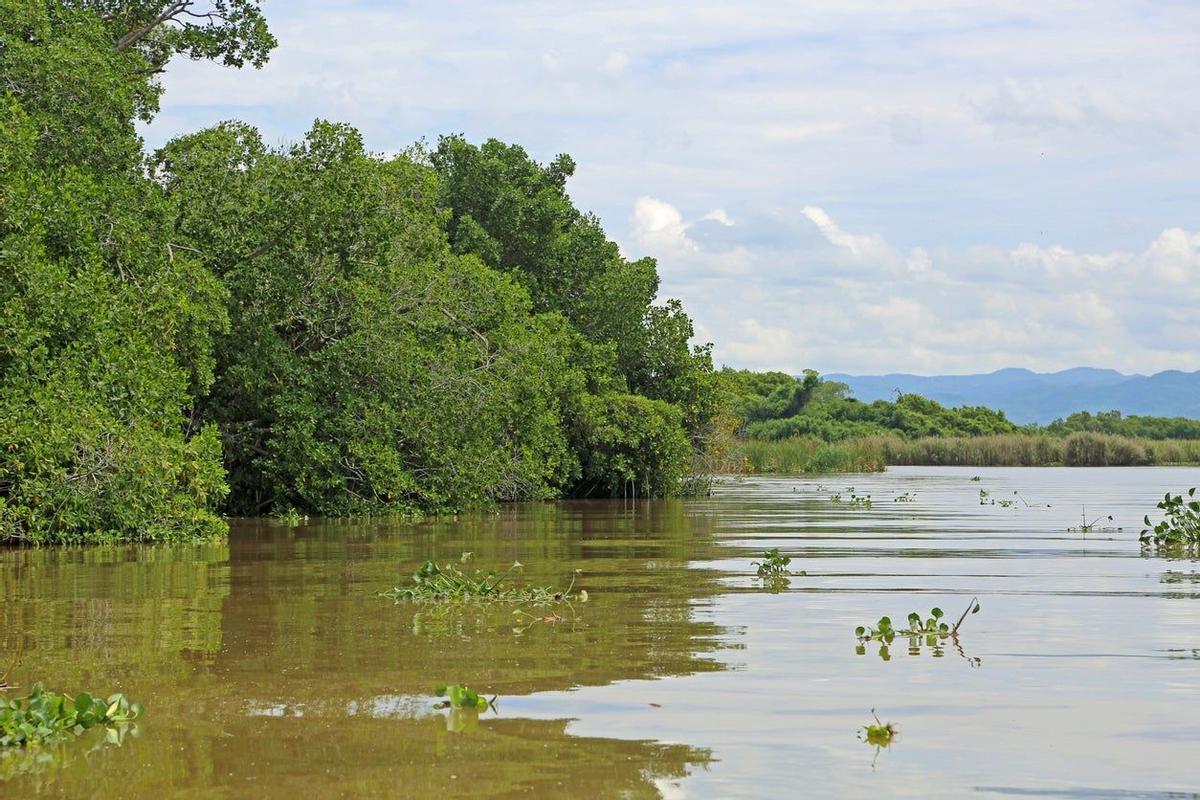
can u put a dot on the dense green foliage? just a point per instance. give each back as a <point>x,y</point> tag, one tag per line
<point>42,717</point>
<point>448,583</point>
<point>105,324</point>
<point>368,367</point>
<point>515,216</point>
<point>873,453</point>
<point>1134,426</point>
<point>792,425</point>
<point>778,406</point>
<point>1180,525</point>
<point>231,327</point>
<point>371,367</point>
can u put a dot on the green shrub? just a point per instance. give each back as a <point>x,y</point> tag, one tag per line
<point>103,337</point>
<point>630,446</point>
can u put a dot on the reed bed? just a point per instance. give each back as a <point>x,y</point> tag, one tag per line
<point>873,453</point>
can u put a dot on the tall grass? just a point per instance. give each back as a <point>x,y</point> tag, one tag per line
<point>873,453</point>
<point>808,454</point>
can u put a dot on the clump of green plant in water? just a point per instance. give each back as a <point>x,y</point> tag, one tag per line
<point>773,564</point>
<point>773,570</point>
<point>448,583</point>
<point>1089,527</point>
<point>931,631</point>
<point>907,497</point>
<point>1180,525</point>
<point>43,717</point>
<point>291,517</point>
<point>976,479</point>
<point>986,499</point>
<point>853,500</point>
<point>462,697</point>
<point>878,734</point>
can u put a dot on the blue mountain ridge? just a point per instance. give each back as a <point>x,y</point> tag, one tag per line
<point>1042,397</point>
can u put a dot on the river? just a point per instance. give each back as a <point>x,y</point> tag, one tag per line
<point>270,667</point>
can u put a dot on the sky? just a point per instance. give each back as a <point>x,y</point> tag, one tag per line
<point>921,186</point>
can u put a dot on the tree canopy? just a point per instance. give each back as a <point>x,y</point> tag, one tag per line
<point>229,327</point>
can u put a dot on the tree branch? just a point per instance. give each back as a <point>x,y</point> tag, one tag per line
<point>133,37</point>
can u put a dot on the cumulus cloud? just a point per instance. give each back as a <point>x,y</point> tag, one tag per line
<point>659,226</point>
<point>970,309</point>
<point>946,186</point>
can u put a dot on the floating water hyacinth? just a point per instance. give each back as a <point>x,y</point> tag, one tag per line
<point>43,717</point>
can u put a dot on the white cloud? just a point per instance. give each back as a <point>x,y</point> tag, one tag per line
<point>616,64</point>
<point>1045,307</point>
<point>1004,183</point>
<point>659,226</point>
<point>719,215</point>
<point>860,246</point>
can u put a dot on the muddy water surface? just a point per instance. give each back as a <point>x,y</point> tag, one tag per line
<point>270,667</point>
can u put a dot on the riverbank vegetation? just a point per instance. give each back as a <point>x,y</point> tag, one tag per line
<point>225,327</point>
<point>789,425</point>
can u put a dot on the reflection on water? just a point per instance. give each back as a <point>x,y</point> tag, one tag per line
<point>270,667</point>
<point>271,662</point>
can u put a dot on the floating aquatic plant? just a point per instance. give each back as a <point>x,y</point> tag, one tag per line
<point>291,517</point>
<point>462,697</point>
<point>852,499</point>
<point>879,734</point>
<point>42,717</point>
<point>907,497</point>
<point>773,570</point>
<point>1180,525</point>
<point>1089,527</point>
<point>773,564</point>
<point>433,582</point>
<point>930,630</point>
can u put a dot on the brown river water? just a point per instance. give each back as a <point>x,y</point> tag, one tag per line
<point>270,667</point>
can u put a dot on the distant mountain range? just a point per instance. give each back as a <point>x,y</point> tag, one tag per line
<point>1027,396</point>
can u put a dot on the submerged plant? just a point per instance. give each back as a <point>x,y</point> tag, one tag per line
<point>43,716</point>
<point>462,697</point>
<point>448,583</point>
<point>1088,527</point>
<point>1180,525</point>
